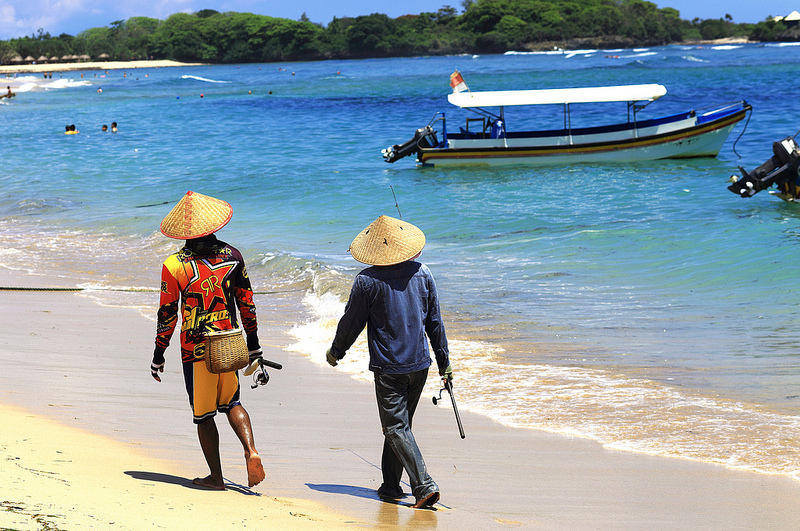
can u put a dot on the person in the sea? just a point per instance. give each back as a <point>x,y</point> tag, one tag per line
<point>208,279</point>
<point>71,130</point>
<point>104,128</point>
<point>396,300</point>
<point>113,127</point>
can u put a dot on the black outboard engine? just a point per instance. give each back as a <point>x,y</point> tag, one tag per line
<point>781,170</point>
<point>423,138</point>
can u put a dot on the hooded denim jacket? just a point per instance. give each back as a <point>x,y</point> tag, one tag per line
<point>399,306</point>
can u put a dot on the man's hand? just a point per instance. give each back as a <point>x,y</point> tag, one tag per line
<point>155,369</point>
<point>447,375</point>
<point>157,365</point>
<point>332,361</point>
<point>255,354</point>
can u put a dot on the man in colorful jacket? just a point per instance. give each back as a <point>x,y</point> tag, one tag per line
<point>207,278</point>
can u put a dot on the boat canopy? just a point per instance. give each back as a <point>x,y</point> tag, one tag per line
<point>504,98</point>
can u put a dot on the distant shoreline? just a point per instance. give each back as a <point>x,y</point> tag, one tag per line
<point>163,63</point>
<point>95,65</point>
<point>726,40</point>
<point>592,43</point>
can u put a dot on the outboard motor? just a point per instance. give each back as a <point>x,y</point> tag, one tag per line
<point>781,169</point>
<point>423,138</point>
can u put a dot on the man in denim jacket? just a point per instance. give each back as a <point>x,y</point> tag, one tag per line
<point>396,300</point>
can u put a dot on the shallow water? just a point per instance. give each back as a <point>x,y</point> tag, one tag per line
<point>642,305</point>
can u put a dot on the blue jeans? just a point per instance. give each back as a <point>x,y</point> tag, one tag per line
<point>398,396</point>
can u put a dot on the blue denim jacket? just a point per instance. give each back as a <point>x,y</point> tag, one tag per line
<point>399,306</point>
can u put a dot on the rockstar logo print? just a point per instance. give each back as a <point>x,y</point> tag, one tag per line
<point>209,279</point>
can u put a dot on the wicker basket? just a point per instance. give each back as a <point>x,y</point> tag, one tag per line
<point>226,351</point>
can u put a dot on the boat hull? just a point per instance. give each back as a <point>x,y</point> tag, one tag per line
<point>698,140</point>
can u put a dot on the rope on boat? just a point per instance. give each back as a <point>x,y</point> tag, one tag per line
<point>743,130</point>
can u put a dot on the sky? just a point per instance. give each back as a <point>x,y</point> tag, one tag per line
<point>24,17</point>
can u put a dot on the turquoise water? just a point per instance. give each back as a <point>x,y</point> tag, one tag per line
<point>642,305</point>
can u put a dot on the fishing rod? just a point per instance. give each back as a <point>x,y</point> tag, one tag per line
<point>448,385</point>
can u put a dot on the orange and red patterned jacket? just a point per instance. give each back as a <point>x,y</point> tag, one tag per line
<point>208,277</point>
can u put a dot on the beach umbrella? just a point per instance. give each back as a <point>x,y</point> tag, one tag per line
<point>85,57</point>
<point>104,57</point>
<point>16,59</point>
<point>54,59</point>
<point>29,59</point>
<point>42,59</point>
<point>65,58</point>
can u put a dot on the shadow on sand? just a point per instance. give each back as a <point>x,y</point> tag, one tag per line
<point>185,482</point>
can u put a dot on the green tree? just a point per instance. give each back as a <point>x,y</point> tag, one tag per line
<point>95,41</point>
<point>370,34</point>
<point>133,38</point>
<point>714,29</point>
<point>178,37</point>
<point>768,30</point>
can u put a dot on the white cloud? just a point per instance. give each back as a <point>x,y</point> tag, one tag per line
<point>8,19</point>
<point>7,14</point>
<point>21,18</point>
<point>163,8</point>
<point>69,6</point>
<point>13,24</point>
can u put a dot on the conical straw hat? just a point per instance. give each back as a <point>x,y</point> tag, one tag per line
<point>387,241</point>
<point>196,215</point>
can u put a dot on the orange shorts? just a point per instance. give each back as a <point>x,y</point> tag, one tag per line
<point>209,392</point>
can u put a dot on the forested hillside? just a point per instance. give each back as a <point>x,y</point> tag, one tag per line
<point>482,26</point>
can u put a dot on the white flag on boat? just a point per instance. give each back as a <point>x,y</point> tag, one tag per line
<point>457,82</point>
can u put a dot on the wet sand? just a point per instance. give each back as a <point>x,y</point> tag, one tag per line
<point>88,438</point>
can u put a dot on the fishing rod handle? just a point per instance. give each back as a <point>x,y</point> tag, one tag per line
<point>271,364</point>
<point>449,386</point>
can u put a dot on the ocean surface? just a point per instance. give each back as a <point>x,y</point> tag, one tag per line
<point>641,305</point>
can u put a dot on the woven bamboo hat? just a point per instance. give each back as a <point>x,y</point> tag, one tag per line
<point>196,215</point>
<point>387,241</point>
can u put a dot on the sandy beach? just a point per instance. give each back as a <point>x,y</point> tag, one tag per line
<point>90,441</point>
<point>58,477</point>
<point>91,65</point>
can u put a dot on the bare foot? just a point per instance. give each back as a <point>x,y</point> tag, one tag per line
<point>208,483</point>
<point>255,471</point>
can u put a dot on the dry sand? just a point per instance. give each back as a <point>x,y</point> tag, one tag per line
<point>94,65</point>
<point>58,477</point>
<point>100,445</point>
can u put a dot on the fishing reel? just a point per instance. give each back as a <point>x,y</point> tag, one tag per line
<point>448,386</point>
<point>260,378</point>
<point>436,399</point>
<point>258,369</point>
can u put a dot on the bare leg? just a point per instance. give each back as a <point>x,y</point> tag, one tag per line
<point>209,442</point>
<point>240,422</point>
